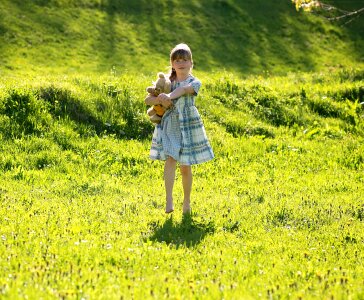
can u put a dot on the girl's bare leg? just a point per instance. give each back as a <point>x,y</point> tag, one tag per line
<point>169,177</point>
<point>186,172</point>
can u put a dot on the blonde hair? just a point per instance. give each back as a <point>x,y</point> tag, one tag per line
<point>178,52</point>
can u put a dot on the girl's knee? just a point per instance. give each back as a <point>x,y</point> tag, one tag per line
<point>170,160</point>
<point>185,170</point>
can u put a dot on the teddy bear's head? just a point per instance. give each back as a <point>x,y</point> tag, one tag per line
<point>162,85</point>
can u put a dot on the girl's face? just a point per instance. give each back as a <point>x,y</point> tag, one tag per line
<point>182,65</point>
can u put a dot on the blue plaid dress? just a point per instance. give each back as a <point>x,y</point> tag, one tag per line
<point>181,133</point>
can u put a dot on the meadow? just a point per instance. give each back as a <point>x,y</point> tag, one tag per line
<point>277,214</point>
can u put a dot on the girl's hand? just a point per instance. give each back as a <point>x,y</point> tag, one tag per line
<point>164,100</point>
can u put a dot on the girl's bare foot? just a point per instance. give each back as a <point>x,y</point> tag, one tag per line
<point>169,207</point>
<point>186,206</point>
<point>186,209</point>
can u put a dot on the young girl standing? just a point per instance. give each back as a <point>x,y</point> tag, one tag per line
<point>181,136</point>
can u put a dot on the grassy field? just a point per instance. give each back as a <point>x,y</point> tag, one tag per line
<point>277,214</point>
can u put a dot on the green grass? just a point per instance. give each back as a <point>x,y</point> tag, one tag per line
<point>243,37</point>
<point>277,214</point>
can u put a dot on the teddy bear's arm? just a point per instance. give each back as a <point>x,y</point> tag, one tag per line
<point>151,100</point>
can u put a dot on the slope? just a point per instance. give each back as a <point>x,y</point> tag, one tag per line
<point>246,37</point>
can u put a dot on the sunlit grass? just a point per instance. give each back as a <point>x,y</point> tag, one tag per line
<point>277,214</point>
<point>256,37</point>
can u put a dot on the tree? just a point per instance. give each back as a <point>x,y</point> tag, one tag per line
<point>328,11</point>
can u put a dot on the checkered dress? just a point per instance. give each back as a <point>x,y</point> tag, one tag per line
<point>181,133</point>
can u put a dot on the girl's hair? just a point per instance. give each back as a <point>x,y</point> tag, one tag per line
<point>181,51</point>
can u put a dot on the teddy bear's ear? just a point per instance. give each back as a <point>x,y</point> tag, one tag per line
<point>150,90</point>
<point>167,86</point>
<point>161,75</point>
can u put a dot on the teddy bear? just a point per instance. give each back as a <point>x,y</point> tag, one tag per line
<point>162,85</point>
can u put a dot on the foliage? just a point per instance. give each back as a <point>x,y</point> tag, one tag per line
<point>333,13</point>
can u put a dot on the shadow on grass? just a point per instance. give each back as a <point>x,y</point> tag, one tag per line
<point>252,41</point>
<point>188,232</point>
<point>127,125</point>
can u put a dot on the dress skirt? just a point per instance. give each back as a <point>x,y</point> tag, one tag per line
<point>181,133</point>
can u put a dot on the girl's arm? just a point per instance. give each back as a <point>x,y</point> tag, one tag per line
<point>182,90</point>
<point>178,92</point>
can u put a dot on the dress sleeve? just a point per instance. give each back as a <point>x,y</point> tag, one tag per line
<point>196,84</point>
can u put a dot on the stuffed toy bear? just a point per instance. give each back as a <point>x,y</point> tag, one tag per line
<point>162,85</point>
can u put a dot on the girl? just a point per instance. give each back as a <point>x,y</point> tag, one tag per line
<point>181,136</point>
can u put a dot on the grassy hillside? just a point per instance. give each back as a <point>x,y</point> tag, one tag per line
<point>278,214</point>
<point>240,36</point>
<point>93,105</point>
